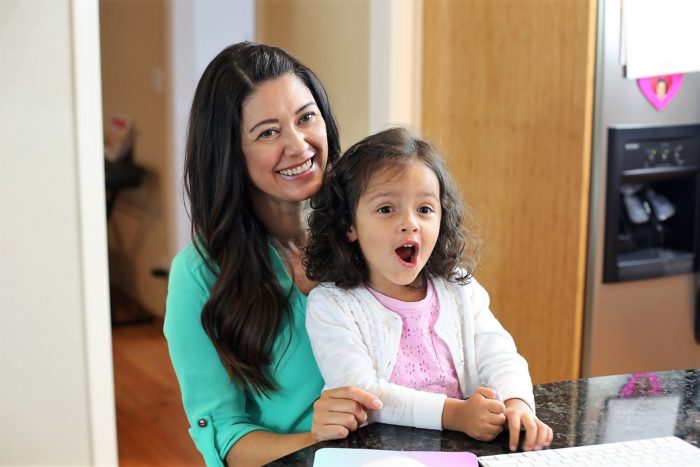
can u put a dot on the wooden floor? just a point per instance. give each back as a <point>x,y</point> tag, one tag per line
<point>151,425</point>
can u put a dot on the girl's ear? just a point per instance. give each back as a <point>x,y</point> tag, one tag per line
<point>352,236</point>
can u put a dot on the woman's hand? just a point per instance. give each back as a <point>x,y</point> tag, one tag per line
<point>341,410</point>
<point>520,416</point>
<point>480,416</point>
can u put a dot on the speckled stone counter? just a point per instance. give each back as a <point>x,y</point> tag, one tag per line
<point>581,412</point>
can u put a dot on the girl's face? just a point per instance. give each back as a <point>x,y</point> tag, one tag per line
<point>397,223</point>
<point>284,140</point>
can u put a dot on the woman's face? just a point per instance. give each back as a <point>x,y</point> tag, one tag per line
<point>284,140</point>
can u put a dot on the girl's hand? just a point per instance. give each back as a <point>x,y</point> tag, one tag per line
<point>341,410</point>
<point>481,416</point>
<point>520,416</point>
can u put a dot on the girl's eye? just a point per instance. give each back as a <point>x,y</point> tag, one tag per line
<point>384,210</point>
<point>267,134</point>
<point>307,117</point>
<point>425,210</point>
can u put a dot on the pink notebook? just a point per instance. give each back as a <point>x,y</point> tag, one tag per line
<point>340,457</point>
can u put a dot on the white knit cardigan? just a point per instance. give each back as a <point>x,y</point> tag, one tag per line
<point>356,340</point>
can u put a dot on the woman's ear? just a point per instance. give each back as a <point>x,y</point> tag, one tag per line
<point>352,236</point>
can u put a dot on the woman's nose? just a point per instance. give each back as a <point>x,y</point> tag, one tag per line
<point>295,143</point>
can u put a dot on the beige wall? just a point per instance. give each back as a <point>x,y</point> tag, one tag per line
<point>133,80</point>
<point>333,39</point>
<point>53,291</point>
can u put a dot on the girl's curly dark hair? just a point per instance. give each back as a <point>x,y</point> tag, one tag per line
<point>331,257</point>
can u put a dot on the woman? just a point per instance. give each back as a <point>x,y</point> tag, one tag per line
<point>260,135</point>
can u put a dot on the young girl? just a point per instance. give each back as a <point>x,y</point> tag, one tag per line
<point>398,312</point>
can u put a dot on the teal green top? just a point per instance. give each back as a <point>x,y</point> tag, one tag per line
<point>220,412</point>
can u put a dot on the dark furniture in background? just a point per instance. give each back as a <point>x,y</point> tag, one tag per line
<point>119,176</point>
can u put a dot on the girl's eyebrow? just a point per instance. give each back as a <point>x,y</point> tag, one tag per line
<point>274,120</point>
<point>389,194</point>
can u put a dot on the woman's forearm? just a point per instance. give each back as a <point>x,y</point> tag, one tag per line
<point>261,447</point>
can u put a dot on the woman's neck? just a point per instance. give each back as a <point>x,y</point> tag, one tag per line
<point>285,221</point>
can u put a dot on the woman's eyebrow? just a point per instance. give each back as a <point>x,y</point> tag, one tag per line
<point>305,106</point>
<point>264,122</point>
<point>274,120</point>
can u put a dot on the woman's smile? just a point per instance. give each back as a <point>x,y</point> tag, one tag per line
<point>302,168</point>
<point>284,141</point>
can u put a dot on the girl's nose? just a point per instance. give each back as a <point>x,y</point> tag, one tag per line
<point>295,143</point>
<point>409,224</point>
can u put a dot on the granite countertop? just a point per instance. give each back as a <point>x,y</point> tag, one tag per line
<point>581,412</point>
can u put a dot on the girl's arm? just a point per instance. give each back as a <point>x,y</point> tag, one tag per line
<point>498,362</point>
<point>344,360</point>
<point>503,369</point>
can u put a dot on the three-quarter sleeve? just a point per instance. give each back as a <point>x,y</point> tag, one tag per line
<point>215,406</point>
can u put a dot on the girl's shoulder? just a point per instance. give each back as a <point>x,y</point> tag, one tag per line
<point>330,291</point>
<point>461,291</point>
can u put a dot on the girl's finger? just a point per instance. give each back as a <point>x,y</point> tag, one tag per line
<point>514,429</point>
<point>487,393</point>
<point>495,406</point>
<point>530,432</point>
<point>541,438</point>
<point>495,419</point>
<point>550,436</point>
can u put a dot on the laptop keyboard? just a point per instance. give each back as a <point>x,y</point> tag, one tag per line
<point>666,451</point>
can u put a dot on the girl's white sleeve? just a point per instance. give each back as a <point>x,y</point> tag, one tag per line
<point>344,360</point>
<point>498,362</point>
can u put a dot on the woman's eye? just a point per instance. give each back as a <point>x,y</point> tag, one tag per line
<point>384,210</point>
<point>307,117</point>
<point>269,133</point>
<point>425,210</point>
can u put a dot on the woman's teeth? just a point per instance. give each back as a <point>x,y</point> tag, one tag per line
<point>297,170</point>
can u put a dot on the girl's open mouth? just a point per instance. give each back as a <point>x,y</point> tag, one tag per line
<point>408,253</point>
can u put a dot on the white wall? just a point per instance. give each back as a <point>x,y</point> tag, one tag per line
<point>56,391</point>
<point>395,64</point>
<point>197,31</point>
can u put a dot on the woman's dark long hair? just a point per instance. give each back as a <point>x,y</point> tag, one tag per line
<point>331,257</point>
<point>247,304</point>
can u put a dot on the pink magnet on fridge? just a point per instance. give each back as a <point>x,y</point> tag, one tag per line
<point>660,90</point>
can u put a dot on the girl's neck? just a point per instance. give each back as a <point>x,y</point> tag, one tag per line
<point>414,292</point>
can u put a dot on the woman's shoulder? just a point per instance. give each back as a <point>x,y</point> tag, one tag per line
<point>189,258</point>
<point>189,271</point>
<point>189,263</point>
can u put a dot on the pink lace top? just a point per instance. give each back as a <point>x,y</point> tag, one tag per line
<point>424,362</point>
